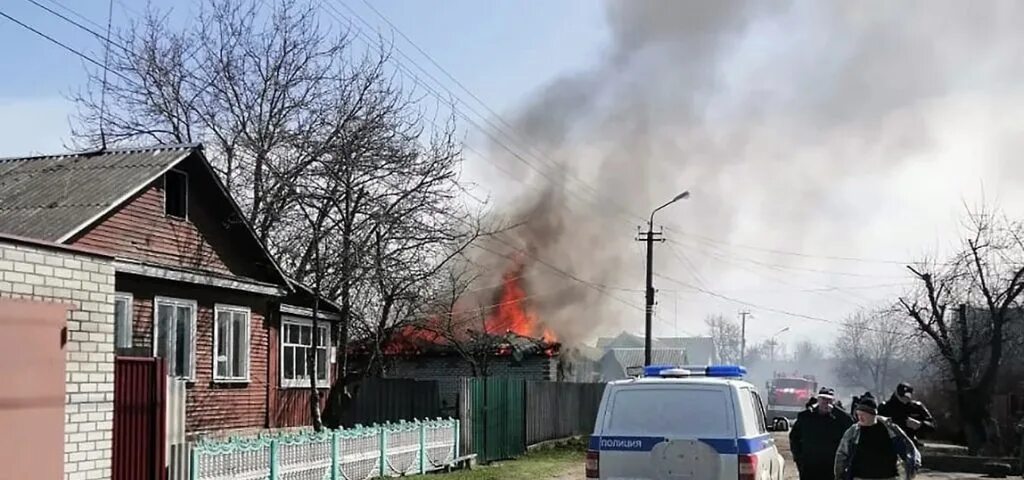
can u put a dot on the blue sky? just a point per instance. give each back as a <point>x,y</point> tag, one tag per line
<point>501,50</point>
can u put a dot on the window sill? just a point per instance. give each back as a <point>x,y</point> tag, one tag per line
<point>300,385</point>
<point>231,381</point>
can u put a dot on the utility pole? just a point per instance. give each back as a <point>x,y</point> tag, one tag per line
<point>649,237</point>
<point>743,336</point>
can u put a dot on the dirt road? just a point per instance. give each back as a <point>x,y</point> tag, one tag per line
<point>782,442</point>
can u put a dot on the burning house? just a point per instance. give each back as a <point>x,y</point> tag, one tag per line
<point>506,338</point>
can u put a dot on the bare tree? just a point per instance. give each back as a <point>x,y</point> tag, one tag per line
<point>869,347</point>
<point>965,307</point>
<point>727,337</point>
<point>807,352</point>
<point>323,146</point>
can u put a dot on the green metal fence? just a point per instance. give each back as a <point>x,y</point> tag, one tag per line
<point>393,449</point>
<point>498,417</point>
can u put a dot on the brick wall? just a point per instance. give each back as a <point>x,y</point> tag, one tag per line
<point>448,370</point>
<point>86,282</point>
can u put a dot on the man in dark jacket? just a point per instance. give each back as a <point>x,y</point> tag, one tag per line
<point>909,414</point>
<point>816,435</point>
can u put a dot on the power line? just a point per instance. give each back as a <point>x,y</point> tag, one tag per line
<point>105,38</point>
<point>64,46</point>
<point>509,131</point>
<point>776,266</point>
<point>768,309</point>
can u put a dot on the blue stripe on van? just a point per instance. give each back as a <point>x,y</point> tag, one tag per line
<point>723,446</point>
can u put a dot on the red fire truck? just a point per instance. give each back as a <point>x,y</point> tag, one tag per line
<point>788,395</point>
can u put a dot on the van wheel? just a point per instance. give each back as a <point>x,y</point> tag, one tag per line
<point>780,424</point>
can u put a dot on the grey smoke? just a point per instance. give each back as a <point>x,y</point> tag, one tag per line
<point>760,107</point>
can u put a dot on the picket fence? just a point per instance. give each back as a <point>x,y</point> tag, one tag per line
<point>358,453</point>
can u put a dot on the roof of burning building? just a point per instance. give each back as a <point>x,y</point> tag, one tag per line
<point>413,341</point>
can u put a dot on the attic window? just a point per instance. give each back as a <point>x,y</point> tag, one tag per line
<point>176,194</point>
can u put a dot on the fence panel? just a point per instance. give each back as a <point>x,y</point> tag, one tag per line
<point>139,439</point>
<point>559,410</point>
<point>389,450</point>
<point>381,400</point>
<point>497,417</point>
<point>177,448</point>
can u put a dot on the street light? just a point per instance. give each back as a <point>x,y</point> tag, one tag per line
<point>771,341</point>
<point>649,310</point>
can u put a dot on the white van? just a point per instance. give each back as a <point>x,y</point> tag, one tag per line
<point>677,423</point>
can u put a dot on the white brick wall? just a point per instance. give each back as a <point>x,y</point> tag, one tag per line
<point>87,283</point>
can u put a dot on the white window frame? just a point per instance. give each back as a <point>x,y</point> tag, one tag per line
<point>157,301</point>
<point>303,382</point>
<point>217,309</point>
<point>185,174</point>
<point>129,300</point>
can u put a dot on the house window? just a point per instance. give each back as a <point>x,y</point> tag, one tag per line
<point>231,344</point>
<point>176,336</point>
<point>176,194</point>
<point>296,343</point>
<point>122,320</point>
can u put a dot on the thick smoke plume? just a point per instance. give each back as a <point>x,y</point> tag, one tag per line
<point>761,109</point>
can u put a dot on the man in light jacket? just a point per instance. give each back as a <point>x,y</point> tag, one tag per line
<point>875,448</point>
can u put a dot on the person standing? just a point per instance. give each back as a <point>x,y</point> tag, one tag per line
<point>911,415</point>
<point>875,448</point>
<point>816,435</point>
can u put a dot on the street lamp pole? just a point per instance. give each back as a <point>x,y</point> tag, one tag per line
<point>771,341</point>
<point>650,236</point>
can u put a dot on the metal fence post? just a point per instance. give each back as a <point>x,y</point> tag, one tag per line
<point>455,450</point>
<point>335,458</point>
<point>423,448</point>
<point>273,459</point>
<point>383,450</point>
<point>193,463</point>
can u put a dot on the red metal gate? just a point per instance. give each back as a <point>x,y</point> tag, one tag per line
<point>139,418</point>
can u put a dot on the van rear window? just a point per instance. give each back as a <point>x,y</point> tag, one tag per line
<point>670,411</point>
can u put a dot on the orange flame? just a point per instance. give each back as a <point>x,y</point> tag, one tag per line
<point>512,312</point>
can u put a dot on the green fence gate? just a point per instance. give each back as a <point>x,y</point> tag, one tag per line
<point>498,417</point>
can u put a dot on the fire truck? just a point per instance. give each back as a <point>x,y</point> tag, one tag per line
<point>788,395</point>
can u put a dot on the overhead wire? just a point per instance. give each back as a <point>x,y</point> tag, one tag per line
<point>61,44</point>
<point>766,308</point>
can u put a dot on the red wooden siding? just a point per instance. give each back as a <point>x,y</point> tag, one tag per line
<point>289,407</point>
<point>140,230</point>
<point>211,239</point>
<point>139,429</point>
<point>209,405</point>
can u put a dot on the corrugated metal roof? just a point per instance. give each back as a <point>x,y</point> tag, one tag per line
<point>50,197</point>
<point>699,350</point>
<point>634,357</point>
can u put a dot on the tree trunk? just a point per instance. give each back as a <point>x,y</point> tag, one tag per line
<point>314,392</point>
<point>973,418</point>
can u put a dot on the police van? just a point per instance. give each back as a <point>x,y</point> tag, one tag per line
<point>677,423</point>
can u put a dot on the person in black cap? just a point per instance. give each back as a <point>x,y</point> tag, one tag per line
<point>815,437</point>
<point>911,415</point>
<point>875,448</point>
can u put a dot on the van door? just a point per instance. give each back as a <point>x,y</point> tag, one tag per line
<point>756,437</point>
<point>667,431</point>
